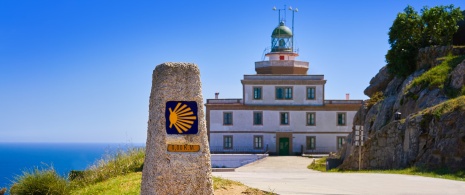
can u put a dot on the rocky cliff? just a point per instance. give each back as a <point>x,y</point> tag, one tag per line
<point>431,132</point>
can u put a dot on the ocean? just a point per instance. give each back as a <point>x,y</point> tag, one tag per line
<point>64,157</point>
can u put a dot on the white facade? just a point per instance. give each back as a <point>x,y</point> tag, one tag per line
<point>234,128</point>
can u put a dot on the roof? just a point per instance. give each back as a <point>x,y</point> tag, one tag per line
<point>282,31</point>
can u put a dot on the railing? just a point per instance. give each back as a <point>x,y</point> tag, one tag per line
<point>319,150</point>
<point>284,77</point>
<point>343,101</point>
<point>238,150</point>
<point>289,63</point>
<point>224,101</point>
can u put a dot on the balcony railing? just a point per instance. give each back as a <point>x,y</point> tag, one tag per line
<point>284,77</point>
<point>343,101</point>
<point>289,63</point>
<point>238,150</point>
<point>319,150</point>
<point>224,101</point>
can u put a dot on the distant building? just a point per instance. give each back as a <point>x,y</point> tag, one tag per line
<point>283,109</point>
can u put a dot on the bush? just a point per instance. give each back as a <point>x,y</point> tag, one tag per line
<point>375,98</point>
<point>120,163</point>
<point>40,181</point>
<point>437,77</point>
<point>411,31</point>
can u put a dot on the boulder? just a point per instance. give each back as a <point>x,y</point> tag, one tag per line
<point>457,76</point>
<point>379,82</point>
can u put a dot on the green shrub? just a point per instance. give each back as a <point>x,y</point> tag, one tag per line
<point>318,164</point>
<point>375,98</point>
<point>40,181</point>
<point>113,165</point>
<point>436,77</point>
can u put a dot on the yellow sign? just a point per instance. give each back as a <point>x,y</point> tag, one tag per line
<point>183,148</point>
<point>181,117</point>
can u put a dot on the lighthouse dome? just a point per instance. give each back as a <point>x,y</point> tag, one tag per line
<point>282,31</point>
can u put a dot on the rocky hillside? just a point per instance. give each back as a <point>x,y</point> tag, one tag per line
<point>431,132</point>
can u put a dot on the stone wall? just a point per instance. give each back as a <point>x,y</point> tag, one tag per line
<point>420,140</point>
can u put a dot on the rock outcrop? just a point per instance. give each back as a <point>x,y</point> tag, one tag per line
<point>431,132</point>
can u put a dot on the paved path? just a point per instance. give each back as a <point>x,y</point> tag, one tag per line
<point>289,175</point>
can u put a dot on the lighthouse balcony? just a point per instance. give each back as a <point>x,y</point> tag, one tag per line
<point>281,67</point>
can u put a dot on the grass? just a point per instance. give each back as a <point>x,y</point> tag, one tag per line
<point>47,181</point>
<point>119,173</point>
<point>127,184</point>
<point>40,181</point>
<point>131,184</point>
<point>436,77</point>
<point>443,173</point>
<point>318,164</point>
<point>118,164</point>
<point>220,183</point>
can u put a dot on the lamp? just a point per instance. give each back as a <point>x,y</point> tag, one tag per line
<point>397,116</point>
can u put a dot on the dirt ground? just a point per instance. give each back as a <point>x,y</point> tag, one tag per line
<point>239,190</point>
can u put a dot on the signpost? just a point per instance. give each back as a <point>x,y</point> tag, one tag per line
<point>177,159</point>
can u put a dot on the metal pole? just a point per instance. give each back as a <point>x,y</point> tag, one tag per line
<point>360,140</point>
<point>293,30</point>
<point>359,148</point>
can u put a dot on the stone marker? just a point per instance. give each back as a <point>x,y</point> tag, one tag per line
<point>177,159</point>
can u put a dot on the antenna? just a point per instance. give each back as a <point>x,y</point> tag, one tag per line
<point>279,13</point>
<point>293,11</point>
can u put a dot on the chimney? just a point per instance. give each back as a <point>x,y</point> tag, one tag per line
<point>347,96</point>
<point>216,95</point>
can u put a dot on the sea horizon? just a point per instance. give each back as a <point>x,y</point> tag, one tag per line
<point>64,157</point>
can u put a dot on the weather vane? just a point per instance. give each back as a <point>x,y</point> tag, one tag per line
<point>285,11</point>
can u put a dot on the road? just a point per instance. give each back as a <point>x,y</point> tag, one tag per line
<point>289,175</point>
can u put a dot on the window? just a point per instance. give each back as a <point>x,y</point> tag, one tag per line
<point>311,143</point>
<point>228,142</point>
<point>227,118</point>
<point>283,93</point>
<point>310,93</point>
<point>257,93</point>
<point>340,142</point>
<point>284,118</point>
<point>258,141</point>
<point>341,119</point>
<point>310,119</point>
<point>257,118</point>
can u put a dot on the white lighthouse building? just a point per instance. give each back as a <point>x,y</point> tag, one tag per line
<point>283,110</point>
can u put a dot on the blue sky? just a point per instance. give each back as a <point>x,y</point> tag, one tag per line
<point>80,71</point>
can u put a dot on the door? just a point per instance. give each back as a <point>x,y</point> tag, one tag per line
<point>284,146</point>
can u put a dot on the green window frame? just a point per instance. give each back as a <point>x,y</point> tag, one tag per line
<point>284,118</point>
<point>257,93</point>
<point>257,118</point>
<point>227,118</point>
<point>311,119</point>
<point>311,143</point>
<point>258,142</point>
<point>341,119</point>
<point>228,142</point>
<point>284,93</point>
<point>311,93</point>
<point>340,142</point>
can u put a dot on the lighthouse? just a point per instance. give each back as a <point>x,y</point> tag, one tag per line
<point>281,58</point>
<point>283,110</point>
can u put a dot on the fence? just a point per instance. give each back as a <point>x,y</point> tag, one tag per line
<point>318,150</point>
<point>238,150</point>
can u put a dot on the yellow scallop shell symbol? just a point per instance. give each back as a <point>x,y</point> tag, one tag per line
<point>182,118</point>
